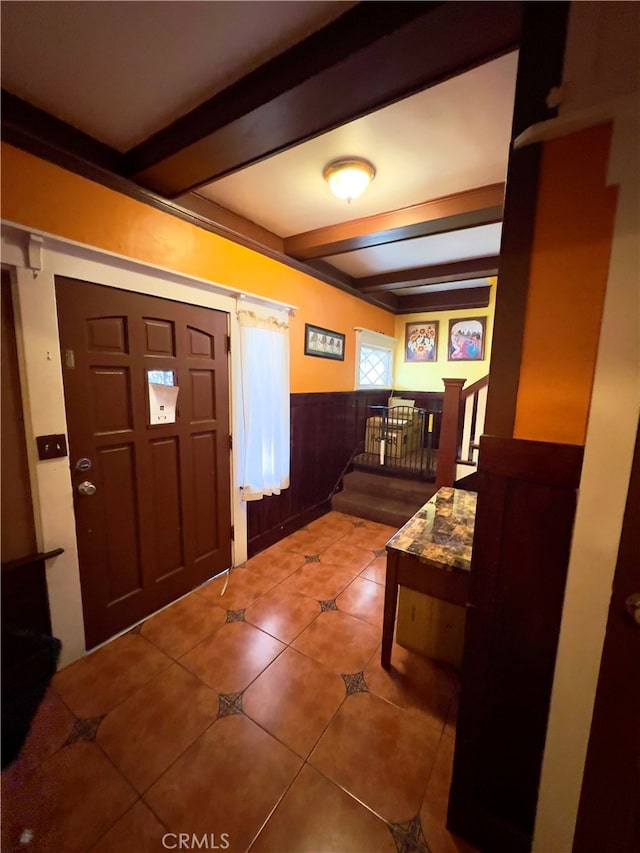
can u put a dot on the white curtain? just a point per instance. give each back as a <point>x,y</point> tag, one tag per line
<point>264,442</point>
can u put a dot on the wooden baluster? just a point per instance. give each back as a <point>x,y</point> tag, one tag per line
<point>448,450</point>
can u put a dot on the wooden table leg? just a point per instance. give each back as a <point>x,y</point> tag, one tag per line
<point>390,603</point>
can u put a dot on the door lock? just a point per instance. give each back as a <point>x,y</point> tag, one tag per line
<point>87,488</point>
<point>632,606</point>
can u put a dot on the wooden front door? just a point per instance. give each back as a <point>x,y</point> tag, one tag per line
<point>609,813</point>
<point>159,520</point>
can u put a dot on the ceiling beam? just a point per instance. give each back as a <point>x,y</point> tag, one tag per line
<point>373,55</point>
<point>32,129</point>
<point>329,271</point>
<point>479,206</point>
<point>445,300</point>
<point>233,221</point>
<point>389,301</point>
<point>425,276</point>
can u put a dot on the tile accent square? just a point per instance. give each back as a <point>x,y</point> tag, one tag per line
<point>409,838</point>
<point>355,683</point>
<point>235,616</point>
<point>229,703</point>
<point>85,729</point>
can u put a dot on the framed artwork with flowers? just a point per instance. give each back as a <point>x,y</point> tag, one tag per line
<point>421,341</point>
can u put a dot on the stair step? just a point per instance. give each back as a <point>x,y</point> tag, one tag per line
<point>384,510</point>
<point>375,485</point>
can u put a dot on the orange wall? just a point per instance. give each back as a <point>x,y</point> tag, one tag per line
<point>569,268</point>
<point>48,198</point>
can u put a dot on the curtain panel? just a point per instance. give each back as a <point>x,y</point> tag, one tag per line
<point>264,443</point>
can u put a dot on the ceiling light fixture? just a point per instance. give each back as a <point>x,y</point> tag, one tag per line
<point>348,178</point>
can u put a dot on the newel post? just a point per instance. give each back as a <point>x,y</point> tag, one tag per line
<point>448,448</point>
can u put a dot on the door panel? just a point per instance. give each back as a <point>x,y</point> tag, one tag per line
<point>159,522</point>
<point>167,506</point>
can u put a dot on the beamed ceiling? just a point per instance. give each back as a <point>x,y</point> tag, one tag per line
<point>225,114</point>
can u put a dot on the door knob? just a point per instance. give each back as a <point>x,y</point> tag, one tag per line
<point>632,606</point>
<point>87,488</point>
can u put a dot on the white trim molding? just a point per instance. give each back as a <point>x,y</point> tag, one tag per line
<point>33,284</point>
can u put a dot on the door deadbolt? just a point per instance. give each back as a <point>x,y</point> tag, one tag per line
<point>632,606</point>
<point>87,488</point>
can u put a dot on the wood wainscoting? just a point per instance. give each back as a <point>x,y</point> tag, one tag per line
<point>524,521</point>
<point>326,428</point>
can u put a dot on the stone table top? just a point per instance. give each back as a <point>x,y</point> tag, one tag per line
<point>441,531</point>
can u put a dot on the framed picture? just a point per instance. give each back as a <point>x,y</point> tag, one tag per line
<point>466,339</point>
<point>421,341</point>
<point>323,342</point>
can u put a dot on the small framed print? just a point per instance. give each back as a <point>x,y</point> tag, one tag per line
<point>466,339</point>
<point>421,341</point>
<point>323,343</point>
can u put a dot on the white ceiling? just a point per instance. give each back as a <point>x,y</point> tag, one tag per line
<point>480,242</point>
<point>120,71</point>
<point>437,288</point>
<point>447,139</point>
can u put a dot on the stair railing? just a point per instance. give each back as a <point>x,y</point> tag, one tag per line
<point>463,414</point>
<point>473,401</point>
<point>336,488</point>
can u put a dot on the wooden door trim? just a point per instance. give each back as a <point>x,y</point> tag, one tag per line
<point>609,752</point>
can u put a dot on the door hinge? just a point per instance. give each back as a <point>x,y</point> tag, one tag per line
<point>230,442</point>
<point>233,533</point>
<point>228,343</point>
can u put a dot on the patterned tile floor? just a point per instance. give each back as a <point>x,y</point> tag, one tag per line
<point>261,718</point>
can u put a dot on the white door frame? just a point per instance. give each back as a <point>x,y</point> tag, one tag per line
<point>34,259</point>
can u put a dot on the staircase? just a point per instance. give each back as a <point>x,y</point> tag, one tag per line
<point>378,497</point>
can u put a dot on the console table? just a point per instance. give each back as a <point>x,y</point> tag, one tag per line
<point>430,554</point>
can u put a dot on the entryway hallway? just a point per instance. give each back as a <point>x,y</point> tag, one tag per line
<point>260,718</point>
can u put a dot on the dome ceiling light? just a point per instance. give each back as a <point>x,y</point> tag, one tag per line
<point>348,178</point>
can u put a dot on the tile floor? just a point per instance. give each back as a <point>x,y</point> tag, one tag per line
<point>261,718</point>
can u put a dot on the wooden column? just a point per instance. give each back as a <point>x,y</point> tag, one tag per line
<point>448,450</point>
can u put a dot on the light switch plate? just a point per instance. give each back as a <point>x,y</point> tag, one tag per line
<point>51,446</point>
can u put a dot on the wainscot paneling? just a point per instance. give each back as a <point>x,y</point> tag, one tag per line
<point>326,428</point>
<point>526,506</point>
